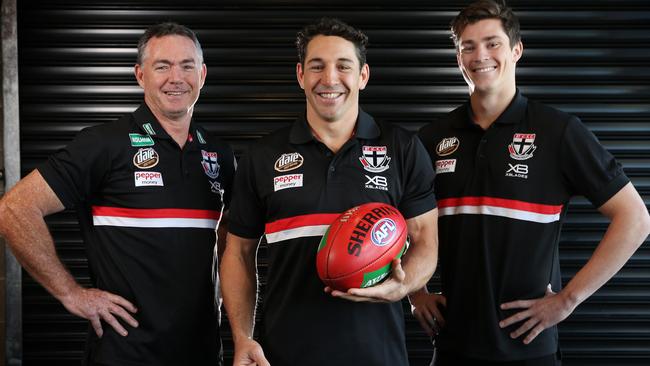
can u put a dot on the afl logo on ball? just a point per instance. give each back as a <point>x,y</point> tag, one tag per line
<point>145,158</point>
<point>383,232</point>
<point>288,162</point>
<point>447,146</point>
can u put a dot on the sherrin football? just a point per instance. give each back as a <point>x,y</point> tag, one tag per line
<point>359,246</point>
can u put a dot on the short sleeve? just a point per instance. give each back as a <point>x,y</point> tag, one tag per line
<point>588,167</point>
<point>76,171</point>
<point>246,208</point>
<point>418,180</point>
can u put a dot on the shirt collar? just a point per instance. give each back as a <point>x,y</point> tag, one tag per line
<point>366,128</point>
<point>149,125</point>
<point>511,115</point>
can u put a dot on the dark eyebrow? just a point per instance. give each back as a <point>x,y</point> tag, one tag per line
<point>168,62</point>
<point>318,59</point>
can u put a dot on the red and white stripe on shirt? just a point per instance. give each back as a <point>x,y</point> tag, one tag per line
<point>299,226</point>
<point>514,209</point>
<point>155,217</point>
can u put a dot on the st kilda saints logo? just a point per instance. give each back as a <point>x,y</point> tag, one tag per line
<point>145,158</point>
<point>522,146</point>
<point>447,146</point>
<point>209,162</point>
<point>288,162</point>
<point>375,159</point>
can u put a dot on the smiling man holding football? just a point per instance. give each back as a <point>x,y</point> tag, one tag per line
<point>292,185</point>
<point>506,168</point>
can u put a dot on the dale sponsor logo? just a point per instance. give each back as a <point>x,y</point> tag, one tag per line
<point>138,140</point>
<point>445,166</point>
<point>287,181</point>
<point>145,158</point>
<point>287,162</point>
<point>146,179</point>
<point>447,146</point>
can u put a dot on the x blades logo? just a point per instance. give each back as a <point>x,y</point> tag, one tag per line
<point>517,171</point>
<point>377,182</point>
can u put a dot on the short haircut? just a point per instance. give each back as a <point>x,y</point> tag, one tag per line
<point>486,9</point>
<point>331,27</point>
<point>166,29</point>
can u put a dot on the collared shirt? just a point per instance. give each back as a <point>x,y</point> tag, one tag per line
<point>148,211</point>
<point>290,187</point>
<point>503,194</point>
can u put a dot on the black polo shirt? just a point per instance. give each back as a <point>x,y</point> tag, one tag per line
<point>502,196</point>
<point>290,187</point>
<point>148,212</point>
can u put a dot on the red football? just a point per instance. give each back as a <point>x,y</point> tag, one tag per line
<point>359,246</point>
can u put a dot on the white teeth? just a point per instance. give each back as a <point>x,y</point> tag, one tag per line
<point>174,93</point>
<point>329,95</point>
<point>485,69</point>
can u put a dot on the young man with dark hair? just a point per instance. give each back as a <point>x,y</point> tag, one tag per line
<point>149,190</point>
<point>292,185</point>
<point>506,168</point>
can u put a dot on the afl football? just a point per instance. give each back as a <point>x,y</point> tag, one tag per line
<point>359,246</point>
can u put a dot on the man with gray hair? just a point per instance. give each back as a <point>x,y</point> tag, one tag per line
<point>149,190</point>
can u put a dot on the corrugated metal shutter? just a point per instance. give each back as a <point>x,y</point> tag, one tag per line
<point>585,57</point>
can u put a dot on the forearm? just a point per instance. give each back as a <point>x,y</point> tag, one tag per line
<point>419,262</point>
<point>239,289</point>
<point>628,229</point>
<point>23,226</point>
<point>621,240</point>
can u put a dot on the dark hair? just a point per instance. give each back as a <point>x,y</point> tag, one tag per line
<point>486,9</point>
<point>167,29</point>
<point>331,27</point>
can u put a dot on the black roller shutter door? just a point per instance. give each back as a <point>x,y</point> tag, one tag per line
<point>589,58</point>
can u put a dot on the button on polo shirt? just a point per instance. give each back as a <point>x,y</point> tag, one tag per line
<point>503,194</point>
<point>292,188</point>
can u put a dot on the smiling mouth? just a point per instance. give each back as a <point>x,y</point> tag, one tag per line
<point>484,69</point>
<point>174,93</point>
<point>329,95</point>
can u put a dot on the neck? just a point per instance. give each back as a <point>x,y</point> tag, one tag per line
<point>333,134</point>
<point>176,128</point>
<point>487,107</point>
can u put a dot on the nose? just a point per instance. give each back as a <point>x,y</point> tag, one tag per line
<point>482,53</point>
<point>175,74</point>
<point>330,75</point>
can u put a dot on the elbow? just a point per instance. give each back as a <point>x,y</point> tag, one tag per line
<point>4,216</point>
<point>644,223</point>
